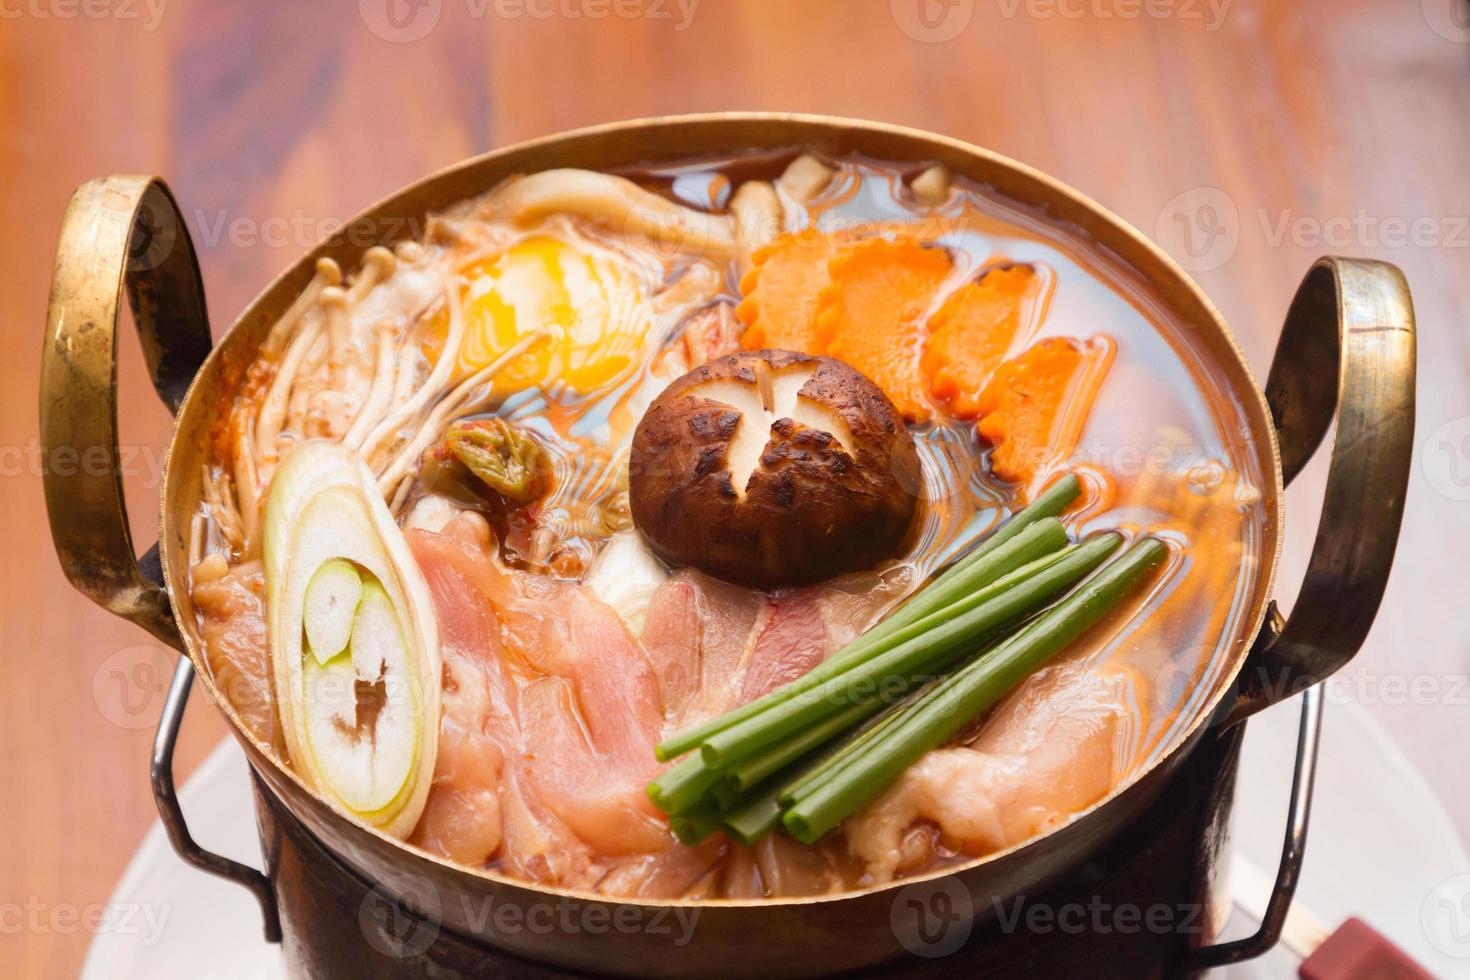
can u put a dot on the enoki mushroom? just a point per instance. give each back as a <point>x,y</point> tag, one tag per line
<point>616,203</point>
<point>457,402</point>
<point>758,217</point>
<point>328,273</point>
<point>437,379</point>
<point>347,358</point>
<point>272,415</point>
<point>381,391</point>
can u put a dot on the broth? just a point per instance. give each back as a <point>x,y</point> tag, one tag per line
<point>1159,453</point>
<point>1161,412</point>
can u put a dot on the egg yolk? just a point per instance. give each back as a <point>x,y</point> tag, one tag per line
<point>591,307</point>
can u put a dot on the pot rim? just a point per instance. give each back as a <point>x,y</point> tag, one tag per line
<point>821,123</point>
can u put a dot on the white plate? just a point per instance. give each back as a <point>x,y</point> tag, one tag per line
<point>210,927</point>
<point>1380,842</point>
<point>1378,845</point>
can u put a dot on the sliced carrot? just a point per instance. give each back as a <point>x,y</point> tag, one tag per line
<point>781,289</point>
<point>873,312</point>
<point>1034,407</point>
<point>976,327</point>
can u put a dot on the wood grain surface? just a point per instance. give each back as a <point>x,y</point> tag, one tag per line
<point>1248,136</point>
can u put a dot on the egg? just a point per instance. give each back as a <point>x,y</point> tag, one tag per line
<point>593,306</point>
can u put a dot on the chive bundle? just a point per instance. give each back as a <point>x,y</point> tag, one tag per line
<point>813,752</point>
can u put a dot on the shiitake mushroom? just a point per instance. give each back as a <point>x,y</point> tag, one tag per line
<point>773,468</point>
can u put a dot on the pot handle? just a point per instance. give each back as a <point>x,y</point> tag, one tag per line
<point>123,231</point>
<point>1355,315</point>
<point>161,769</point>
<point>1293,849</point>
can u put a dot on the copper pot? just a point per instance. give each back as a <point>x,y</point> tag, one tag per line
<point>1346,355</point>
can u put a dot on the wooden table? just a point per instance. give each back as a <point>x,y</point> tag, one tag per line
<point>1288,129</point>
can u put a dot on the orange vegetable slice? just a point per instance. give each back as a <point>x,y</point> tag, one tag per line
<point>1034,407</point>
<point>873,314</point>
<point>976,328</point>
<point>781,289</point>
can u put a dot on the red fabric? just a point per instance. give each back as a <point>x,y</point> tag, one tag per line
<point>1357,951</point>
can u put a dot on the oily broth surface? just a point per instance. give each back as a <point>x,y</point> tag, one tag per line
<point>1162,450</point>
<point>1165,442</point>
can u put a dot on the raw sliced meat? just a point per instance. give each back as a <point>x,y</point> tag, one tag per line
<point>480,732</point>
<point>675,872</point>
<point>552,710</point>
<point>671,637</point>
<point>714,645</point>
<point>569,697</point>
<point>792,642</point>
<point>231,602</point>
<point>806,626</point>
<point>461,818</point>
<point>697,635</point>
<point>600,795</point>
<point>1052,748</point>
<point>853,603</point>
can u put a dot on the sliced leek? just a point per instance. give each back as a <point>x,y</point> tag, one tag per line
<point>354,639</point>
<point>332,597</point>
